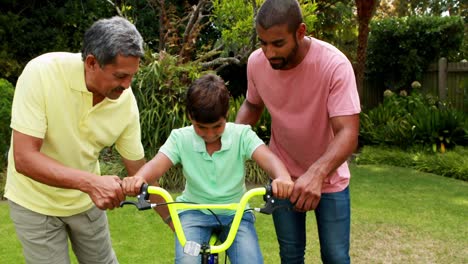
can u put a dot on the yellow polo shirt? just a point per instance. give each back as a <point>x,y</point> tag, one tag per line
<point>52,102</point>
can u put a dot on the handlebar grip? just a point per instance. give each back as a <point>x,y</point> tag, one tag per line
<point>141,203</point>
<point>144,191</point>
<point>269,190</point>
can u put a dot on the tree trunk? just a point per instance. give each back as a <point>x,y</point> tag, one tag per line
<point>365,11</point>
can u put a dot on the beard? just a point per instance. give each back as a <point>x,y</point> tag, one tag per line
<point>279,63</point>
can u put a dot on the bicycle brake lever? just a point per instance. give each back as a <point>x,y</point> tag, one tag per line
<point>270,205</point>
<point>141,203</point>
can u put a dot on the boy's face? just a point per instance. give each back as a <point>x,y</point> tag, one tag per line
<point>210,132</point>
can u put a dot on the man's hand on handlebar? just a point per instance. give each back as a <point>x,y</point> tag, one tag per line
<point>105,192</point>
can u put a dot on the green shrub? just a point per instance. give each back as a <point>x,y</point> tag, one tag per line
<point>385,155</point>
<point>407,120</point>
<point>453,163</point>
<point>2,183</point>
<point>160,87</point>
<point>6,98</point>
<point>111,164</point>
<point>383,125</point>
<point>401,49</point>
<point>254,174</point>
<point>441,127</point>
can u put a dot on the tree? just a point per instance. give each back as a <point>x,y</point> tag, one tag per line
<point>408,8</point>
<point>365,11</point>
<point>402,8</point>
<point>336,24</point>
<point>429,7</point>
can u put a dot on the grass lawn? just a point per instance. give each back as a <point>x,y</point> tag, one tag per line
<point>398,216</point>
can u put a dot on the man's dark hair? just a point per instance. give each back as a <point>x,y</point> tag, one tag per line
<point>207,99</point>
<point>279,12</point>
<point>107,38</point>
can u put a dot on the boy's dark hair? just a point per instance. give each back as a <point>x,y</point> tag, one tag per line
<point>207,99</point>
<point>279,12</point>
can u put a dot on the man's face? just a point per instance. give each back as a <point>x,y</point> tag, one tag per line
<point>210,132</point>
<point>279,46</point>
<point>112,79</point>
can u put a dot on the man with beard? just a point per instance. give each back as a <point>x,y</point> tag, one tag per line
<point>309,89</point>
<point>68,107</point>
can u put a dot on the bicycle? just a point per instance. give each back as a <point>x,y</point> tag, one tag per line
<point>209,250</point>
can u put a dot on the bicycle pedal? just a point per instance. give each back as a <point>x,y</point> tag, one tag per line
<point>192,248</point>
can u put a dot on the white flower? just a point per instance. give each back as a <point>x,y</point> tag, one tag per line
<point>415,85</point>
<point>387,93</point>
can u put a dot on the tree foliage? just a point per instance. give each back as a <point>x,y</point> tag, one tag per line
<point>336,24</point>
<point>6,97</point>
<point>235,20</point>
<point>30,28</point>
<point>406,8</point>
<point>401,49</point>
<point>430,8</point>
<point>160,88</point>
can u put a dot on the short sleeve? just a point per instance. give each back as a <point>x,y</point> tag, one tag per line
<point>170,148</point>
<point>250,141</point>
<point>252,93</point>
<point>28,114</point>
<point>129,142</point>
<point>344,97</point>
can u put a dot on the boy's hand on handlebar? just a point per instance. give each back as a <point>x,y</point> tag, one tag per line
<point>131,186</point>
<point>282,188</point>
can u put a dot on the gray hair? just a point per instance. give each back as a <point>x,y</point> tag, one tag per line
<point>279,12</point>
<point>107,38</point>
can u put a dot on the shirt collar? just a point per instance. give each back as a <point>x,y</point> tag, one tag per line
<point>226,140</point>
<point>77,75</point>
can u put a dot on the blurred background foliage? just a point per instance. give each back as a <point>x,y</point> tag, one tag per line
<point>410,119</point>
<point>401,49</point>
<point>187,38</point>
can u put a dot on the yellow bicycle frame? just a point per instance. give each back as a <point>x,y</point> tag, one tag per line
<point>238,207</point>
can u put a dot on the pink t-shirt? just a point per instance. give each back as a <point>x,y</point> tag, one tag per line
<point>301,101</point>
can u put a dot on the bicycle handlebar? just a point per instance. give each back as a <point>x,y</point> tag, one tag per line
<point>143,204</point>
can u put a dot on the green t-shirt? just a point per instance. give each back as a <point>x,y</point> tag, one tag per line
<point>215,179</point>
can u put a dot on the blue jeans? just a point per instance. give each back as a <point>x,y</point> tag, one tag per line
<point>333,215</point>
<point>198,227</point>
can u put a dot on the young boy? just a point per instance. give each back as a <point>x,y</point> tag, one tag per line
<point>213,154</point>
